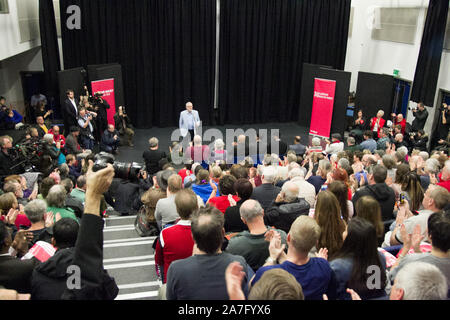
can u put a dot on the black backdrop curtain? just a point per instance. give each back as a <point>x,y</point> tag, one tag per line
<point>166,49</point>
<point>429,62</point>
<point>263,45</point>
<point>50,49</point>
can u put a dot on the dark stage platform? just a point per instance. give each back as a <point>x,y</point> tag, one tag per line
<point>134,154</point>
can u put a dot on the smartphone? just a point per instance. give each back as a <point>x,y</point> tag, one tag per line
<point>402,198</point>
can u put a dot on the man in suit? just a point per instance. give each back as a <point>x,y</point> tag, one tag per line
<point>299,148</point>
<point>70,111</point>
<point>421,115</point>
<point>189,121</point>
<point>266,193</point>
<point>15,274</point>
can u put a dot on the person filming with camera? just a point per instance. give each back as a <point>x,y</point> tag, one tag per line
<point>86,129</point>
<point>421,115</point>
<point>100,106</point>
<point>444,121</point>
<point>123,125</point>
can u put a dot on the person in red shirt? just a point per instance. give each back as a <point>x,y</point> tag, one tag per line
<point>176,242</point>
<point>376,123</point>
<point>444,177</point>
<point>226,187</point>
<point>10,206</point>
<point>186,171</point>
<point>399,120</point>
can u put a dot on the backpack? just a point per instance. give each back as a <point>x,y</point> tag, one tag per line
<point>142,226</point>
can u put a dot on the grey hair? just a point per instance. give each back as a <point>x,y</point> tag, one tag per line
<point>403,150</point>
<point>344,163</point>
<point>315,141</point>
<point>288,189</point>
<point>64,169</point>
<point>153,142</point>
<point>48,138</point>
<point>297,172</point>
<point>197,140</point>
<point>267,159</point>
<point>35,210</point>
<point>269,174</point>
<point>432,165</point>
<point>351,140</point>
<point>56,196</point>
<point>421,281</point>
<point>218,144</point>
<point>293,165</point>
<point>425,156</point>
<point>248,212</point>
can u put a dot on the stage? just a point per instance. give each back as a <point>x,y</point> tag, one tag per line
<point>134,154</point>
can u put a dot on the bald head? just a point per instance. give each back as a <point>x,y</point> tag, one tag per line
<point>251,210</point>
<point>110,128</point>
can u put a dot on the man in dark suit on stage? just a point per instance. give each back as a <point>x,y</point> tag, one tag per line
<point>70,111</point>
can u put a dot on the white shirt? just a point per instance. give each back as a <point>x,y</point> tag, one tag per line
<point>74,105</point>
<point>307,190</point>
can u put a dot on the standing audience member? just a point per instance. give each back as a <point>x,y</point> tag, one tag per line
<point>153,156</point>
<point>175,242</point>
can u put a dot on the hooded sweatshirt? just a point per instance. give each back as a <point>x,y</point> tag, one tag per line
<point>49,279</point>
<point>385,196</point>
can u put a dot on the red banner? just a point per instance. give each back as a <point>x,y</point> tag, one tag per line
<point>322,110</point>
<point>106,87</point>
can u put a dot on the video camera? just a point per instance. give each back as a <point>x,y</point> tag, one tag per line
<point>27,154</point>
<point>123,170</point>
<point>95,99</point>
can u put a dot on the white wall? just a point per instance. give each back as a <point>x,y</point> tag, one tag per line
<point>10,34</point>
<point>365,54</point>
<point>10,80</point>
<point>15,55</point>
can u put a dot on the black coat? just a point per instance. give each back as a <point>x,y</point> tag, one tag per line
<point>265,194</point>
<point>15,274</point>
<point>383,194</point>
<point>126,197</point>
<point>420,120</point>
<point>69,115</point>
<point>96,284</point>
<point>6,162</point>
<point>282,215</point>
<point>233,222</point>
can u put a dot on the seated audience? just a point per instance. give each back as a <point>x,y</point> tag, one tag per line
<point>202,186</point>
<point>233,221</point>
<point>166,211</point>
<point>297,147</point>
<point>306,190</point>
<point>153,156</point>
<point>335,145</point>
<point>369,143</point>
<point>286,208</point>
<point>56,200</point>
<point>378,189</point>
<point>351,263</point>
<point>314,274</point>
<point>226,188</point>
<point>368,208</point>
<point>252,244</point>
<point>266,193</point>
<point>185,278</point>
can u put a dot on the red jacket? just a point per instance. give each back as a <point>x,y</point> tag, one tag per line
<point>380,125</point>
<point>174,243</point>
<point>58,137</point>
<point>222,202</point>
<point>402,123</point>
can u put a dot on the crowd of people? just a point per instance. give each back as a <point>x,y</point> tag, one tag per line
<point>363,219</point>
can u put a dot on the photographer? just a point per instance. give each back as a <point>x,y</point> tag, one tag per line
<point>421,115</point>
<point>123,125</point>
<point>419,140</point>
<point>110,140</point>
<point>100,107</point>
<point>6,160</point>
<point>86,129</point>
<point>444,121</point>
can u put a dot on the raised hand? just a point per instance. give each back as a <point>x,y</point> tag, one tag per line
<point>234,275</point>
<point>353,294</point>
<point>416,238</point>
<point>323,253</point>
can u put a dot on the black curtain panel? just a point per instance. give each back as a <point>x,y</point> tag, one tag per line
<point>50,49</point>
<point>263,45</point>
<point>166,49</point>
<point>429,62</point>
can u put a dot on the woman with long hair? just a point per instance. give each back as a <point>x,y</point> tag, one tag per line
<point>327,213</point>
<point>340,190</point>
<point>357,260</point>
<point>412,188</point>
<point>368,208</point>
